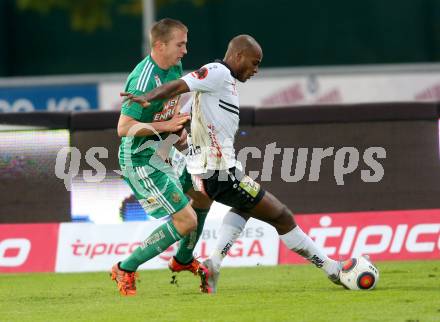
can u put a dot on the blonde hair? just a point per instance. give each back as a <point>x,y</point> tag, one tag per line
<point>163,29</point>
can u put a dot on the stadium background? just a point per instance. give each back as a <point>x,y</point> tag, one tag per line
<point>319,34</point>
<point>334,75</point>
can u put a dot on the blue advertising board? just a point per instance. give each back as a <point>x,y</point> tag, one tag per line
<point>48,98</point>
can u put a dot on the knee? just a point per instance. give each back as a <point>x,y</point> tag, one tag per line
<point>186,222</point>
<point>282,211</point>
<point>192,222</point>
<point>279,210</point>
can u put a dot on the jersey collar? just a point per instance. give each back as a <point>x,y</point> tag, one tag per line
<point>227,66</point>
<point>163,71</point>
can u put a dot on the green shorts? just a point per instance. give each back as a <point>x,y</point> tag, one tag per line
<point>160,192</point>
<point>177,160</point>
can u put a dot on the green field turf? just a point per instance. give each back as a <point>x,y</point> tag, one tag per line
<point>407,292</point>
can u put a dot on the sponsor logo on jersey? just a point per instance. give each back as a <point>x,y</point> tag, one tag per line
<point>167,111</point>
<point>200,73</point>
<point>157,79</point>
<point>215,149</point>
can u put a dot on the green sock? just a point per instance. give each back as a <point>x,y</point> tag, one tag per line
<point>159,240</point>
<point>188,243</point>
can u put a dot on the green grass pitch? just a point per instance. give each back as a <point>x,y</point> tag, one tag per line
<point>406,292</point>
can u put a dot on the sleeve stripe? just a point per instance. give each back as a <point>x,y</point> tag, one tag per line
<point>145,84</point>
<point>227,109</point>
<point>229,104</point>
<point>143,79</point>
<point>142,74</point>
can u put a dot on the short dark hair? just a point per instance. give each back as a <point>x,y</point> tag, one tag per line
<point>162,30</point>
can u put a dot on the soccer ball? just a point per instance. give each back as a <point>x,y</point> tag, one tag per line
<point>359,274</point>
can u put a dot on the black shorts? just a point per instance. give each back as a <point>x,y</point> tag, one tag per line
<point>233,188</point>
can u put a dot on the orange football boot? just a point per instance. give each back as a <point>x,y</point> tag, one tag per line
<point>126,281</point>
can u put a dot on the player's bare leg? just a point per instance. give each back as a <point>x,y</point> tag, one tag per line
<point>275,213</point>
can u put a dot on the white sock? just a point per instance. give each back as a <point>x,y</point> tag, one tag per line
<point>303,245</point>
<point>230,230</point>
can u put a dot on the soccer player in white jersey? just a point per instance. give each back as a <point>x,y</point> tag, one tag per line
<point>211,158</point>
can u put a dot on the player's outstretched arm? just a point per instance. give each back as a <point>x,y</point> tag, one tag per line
<point>164,91</point>
<point>128,126</point>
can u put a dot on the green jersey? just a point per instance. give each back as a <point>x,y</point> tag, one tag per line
<point>135,151</point>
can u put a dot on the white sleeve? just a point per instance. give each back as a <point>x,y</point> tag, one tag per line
<point>186,107</point>
<point>209,78</point>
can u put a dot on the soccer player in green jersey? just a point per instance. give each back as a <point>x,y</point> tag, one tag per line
<point>159,187</point>
<point>214,123</point>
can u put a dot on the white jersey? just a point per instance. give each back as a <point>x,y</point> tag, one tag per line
<point>214,119</point>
